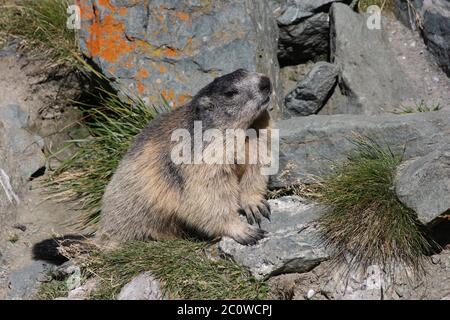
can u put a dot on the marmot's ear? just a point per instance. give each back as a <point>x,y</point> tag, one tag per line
<point>205,103</point>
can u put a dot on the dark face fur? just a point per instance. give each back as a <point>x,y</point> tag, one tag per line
<point>233,100</point>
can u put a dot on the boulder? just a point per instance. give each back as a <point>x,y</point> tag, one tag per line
<point>142,287</point>
<point>433,18</point>
<point>173,48</point>
<point>423,184</point>
<point>304,31</point>
<point>293,243</point>
<point>313,146</point>
<point>371,81</point>
<point>312,92</point>
<point>305,40</point>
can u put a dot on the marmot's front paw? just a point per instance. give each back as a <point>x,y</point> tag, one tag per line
<point>250,236</point>
<point>254,213</point>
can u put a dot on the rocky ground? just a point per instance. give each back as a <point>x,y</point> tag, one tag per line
<point>333,77</point>
<point>34,123</point>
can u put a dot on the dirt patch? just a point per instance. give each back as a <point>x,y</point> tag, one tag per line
<point>41,94</point>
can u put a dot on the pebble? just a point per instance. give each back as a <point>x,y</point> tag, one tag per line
<point>310,294</point>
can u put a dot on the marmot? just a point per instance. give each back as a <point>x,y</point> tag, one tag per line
<point>150,197</point>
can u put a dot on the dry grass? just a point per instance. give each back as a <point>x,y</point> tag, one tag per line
<point>185,269</point>
<point>41,25</point>
<point>385,5</point>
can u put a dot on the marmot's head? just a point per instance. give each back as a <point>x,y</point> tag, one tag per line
<point>233,100</point>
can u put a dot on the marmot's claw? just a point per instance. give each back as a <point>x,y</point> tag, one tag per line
<point>253,214</point>
<point>265,211</point>
<point>256,213</point>
<point>251,237</point>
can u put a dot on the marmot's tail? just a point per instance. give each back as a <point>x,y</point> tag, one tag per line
<point>59,249</point>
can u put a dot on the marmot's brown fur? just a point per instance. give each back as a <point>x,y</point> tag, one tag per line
<point>150,197</point>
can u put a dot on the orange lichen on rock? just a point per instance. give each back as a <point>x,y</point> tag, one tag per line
<point>171,52</point>
<point>183,98</point>
<point>141,74</point>
<point>183,16</point>
<point>106,4</point>
<point>106,37</point>
<point>169,96</point>
<point>86,10</point>
<point>123,11</point>
<point>162,68</point>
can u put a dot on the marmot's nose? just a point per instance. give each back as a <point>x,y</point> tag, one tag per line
<point>265,85</point>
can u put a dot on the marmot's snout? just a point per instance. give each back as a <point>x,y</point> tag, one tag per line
<point>264,85</point>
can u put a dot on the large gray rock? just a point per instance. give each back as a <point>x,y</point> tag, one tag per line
<point>371,81</point>
<point>304,31</point>
<point>142,287</point>
<point>174,48</point>
<point>434,21</point>
<point>423,184</point>
<point>313,91</point>
<point>304,40</point>
<point>313,146</point>
<point>293,243</point>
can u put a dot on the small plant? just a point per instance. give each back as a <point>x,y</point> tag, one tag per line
<point>42,26</point>
<point>383,4</point>
<point>52,290</point>
<point>366,221</point>
<point>13,238</point>
<point>420,107</point>
<point>184,268</point>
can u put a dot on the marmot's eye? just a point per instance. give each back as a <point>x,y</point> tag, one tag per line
<point>230,93</point>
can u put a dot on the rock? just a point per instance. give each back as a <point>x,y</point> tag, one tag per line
<point>304,31</point>
<point>304,41</point>
<point>435,25</point>
<point>313,146</point>
<point>403,10</point>
<point>23,283</point>
<point>334,282</point>
<point>83,292</point>
<point>423,184</point>
<point>313,91</point>
<point>174,48</point>
<point>142,287</point>
<point>297,10</point>
<point>310,294</point>
<point>371,80</point>
<point>20,227</point>
<point>20,157</point>
<point>20,147</point>
<point>293,243</point>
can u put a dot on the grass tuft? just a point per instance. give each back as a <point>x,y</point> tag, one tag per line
<point>366,220</point>
<point>421,106</point>
<point>52,290</point>
<point>42,26</point>
<point>184,268</point>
